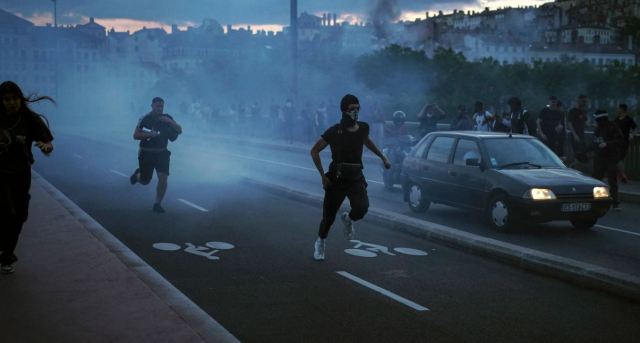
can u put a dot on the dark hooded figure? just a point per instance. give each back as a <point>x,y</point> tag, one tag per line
<point>607,139</point>
<point>521,121</point>
<point>19,128</point>
<point>344,178</point>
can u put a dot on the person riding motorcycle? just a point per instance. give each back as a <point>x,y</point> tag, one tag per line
<point>398,129</point>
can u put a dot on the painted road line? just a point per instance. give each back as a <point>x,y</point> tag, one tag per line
<point>193,205</point>
<point>119,173</point>
<point>285,164</point>
<point>267,161</point>
<point>612,229</point>
<point>384,292</point>
<point>78,156</point>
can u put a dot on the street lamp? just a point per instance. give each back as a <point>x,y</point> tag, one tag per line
<point>55,30</point>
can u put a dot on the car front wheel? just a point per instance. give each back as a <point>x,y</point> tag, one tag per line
<point>499,214</point>
<point>417,201</point>
<point>583,224</point>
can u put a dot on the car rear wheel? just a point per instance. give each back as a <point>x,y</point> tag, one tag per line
<point>583,224</point>
<point>417,201</point>
<point>499,215</point>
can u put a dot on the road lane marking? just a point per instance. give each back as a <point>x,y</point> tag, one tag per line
<point>193,205</point>
<point>384,292</point>
<point>261,160</point>
<point>623,231</point>
<point>284,164</point>
<point>119,173</point>
<point>78,156</point>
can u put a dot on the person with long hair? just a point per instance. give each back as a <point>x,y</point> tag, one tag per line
<point>19,128</point>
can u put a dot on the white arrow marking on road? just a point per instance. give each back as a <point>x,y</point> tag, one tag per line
<point>119,173</point>
<point>384,292</point>
<point>612,229</point>
<point>193,205</point>
<point>78,156</point>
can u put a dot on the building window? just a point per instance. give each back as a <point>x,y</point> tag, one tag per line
<point>495,48</point>
<point>86,56</point>
<point>505,49</point>
<point>78,68</point>
<point>136,49</point>
<point>522,49</point>
<point>93,56</point>
<point>514,49</point>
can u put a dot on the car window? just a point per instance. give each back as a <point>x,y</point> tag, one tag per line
<point>440,149</point>
<point>421,147</point>
<point>504,151</point>
<point>466,149</point>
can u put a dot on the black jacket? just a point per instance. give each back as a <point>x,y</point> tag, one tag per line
<point>607,133</point>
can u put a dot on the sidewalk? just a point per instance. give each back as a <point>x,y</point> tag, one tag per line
<point>629,192</point>
<point>77,283</point>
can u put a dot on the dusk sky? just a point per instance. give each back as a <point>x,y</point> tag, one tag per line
<point>260,14</point>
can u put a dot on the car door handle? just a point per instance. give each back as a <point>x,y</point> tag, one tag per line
<point>452,173</point>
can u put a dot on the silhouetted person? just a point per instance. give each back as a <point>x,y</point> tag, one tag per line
<point>607,140</point>
<point>289,120</point>
<point>19,128</point>
<point>154,130</point>
<point>344,178</point>
<point>429,117</point>
<point>551,126</point>
<point>462,122</point>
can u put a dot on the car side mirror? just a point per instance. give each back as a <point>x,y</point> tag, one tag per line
<point>473,162</point>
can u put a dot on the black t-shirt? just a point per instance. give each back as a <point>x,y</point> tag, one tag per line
<point>577,118</point>
<point>549,120</point>
<point>19,137</point>
<point>626,125</point>
<point>350,144</point>
<point>151,121</point>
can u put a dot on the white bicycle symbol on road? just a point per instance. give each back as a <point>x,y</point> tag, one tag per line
<point>209,251</point>
<point>372,249</point>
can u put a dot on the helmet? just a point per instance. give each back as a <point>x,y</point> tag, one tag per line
<point>399,118</point>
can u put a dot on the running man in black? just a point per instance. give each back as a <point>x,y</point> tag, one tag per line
<point>154,131</point>
<point>20,127</point>
<point>344,178</point>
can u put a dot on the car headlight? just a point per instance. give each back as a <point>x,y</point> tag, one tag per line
<point>539,194</point>
<point>600,192</point>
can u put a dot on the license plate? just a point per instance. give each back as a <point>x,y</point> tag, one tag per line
<point>576,207</point>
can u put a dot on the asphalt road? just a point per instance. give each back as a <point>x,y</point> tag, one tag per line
<point>614,243</point>
<point>268,288</point>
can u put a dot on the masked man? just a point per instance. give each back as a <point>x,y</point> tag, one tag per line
<point>344,179</point>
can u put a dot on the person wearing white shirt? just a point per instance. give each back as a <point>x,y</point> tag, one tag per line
<point>481,117</point>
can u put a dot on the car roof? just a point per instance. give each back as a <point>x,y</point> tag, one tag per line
<point>480,134</point>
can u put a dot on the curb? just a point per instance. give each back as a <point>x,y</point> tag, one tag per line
<point>578,273</point>
<point>203,324</point>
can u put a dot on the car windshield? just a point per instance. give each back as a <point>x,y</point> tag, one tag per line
<point>520,153</point>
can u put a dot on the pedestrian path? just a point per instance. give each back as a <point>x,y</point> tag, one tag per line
<point>74,282</point>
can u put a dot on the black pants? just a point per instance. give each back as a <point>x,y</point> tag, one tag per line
<point>333,198</point>
<point>553,142</point>
<point>608,168</point>
<point>14,210</point>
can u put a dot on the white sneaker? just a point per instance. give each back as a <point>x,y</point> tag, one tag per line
<point>319,253</point>
<point>349,231</point>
